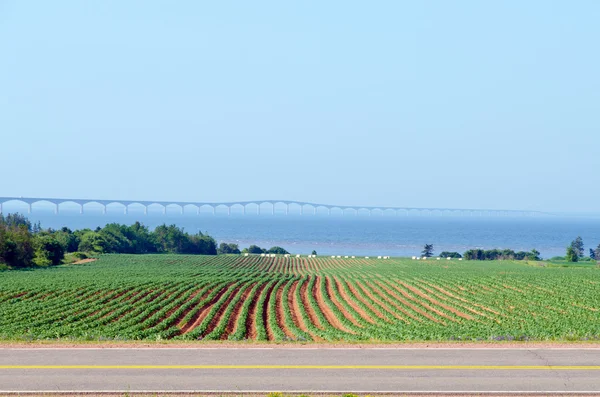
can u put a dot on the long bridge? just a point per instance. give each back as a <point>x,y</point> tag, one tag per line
<point>282,205</point>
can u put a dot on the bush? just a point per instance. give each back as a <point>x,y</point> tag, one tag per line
<point>277,250</point>
<point>447,254</point>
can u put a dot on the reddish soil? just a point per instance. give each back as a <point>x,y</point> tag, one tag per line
<point>407,303</point>
<point>295,308</point>
<point>81,262</point>
<point>57,344</point>
<point>360,298</point>
<point>378,301</point>
<point>196,320</point>
<point>280,314</point>
<point>337,304</point>
<point>351,302</point>
<point>219,314</point>
<point>425,305</point>
<point>329,315</point>
<point>436,302</point>
<point>309,309</point>
<point>252,312</point>
<point>186,312</point>
<point>388,298</point>
<point>463,300</point>
<point>235,314</point>
<point>445,298</point>
<point>265,313</point>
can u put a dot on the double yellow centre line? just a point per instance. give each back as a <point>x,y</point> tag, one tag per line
<point>308,367</point>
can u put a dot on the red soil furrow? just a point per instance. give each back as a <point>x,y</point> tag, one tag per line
<point>295,308</point>
<point>425,305</point>
<point>219,314</point>
<point>197,319</point>
<point>436,302</point>
<point>252,314</point>
<point>235,315</point>
<point>170,312</point>
<point>186,312</point>
<point>407,302</point>
<point>280,314</point>
<point>351,302</point>
<point>265,313</point>
<point>446,299</point>
<point>360,298</point>
<point>341,308</point>
<point>166,299</point>
<point>305,302</point>
<point>329,315</point>
<point>387,297</point>
<point>379,302</point>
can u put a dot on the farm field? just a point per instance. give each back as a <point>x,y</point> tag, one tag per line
<point>190,298</point>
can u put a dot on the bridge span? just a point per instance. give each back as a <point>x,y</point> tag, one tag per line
<point>255,206</point>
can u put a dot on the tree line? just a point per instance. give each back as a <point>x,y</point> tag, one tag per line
<point>23,244</point>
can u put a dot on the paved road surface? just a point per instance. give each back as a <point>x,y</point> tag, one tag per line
<point>336,370</point>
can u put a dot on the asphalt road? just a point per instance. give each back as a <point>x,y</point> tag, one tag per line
<point>306,370</point>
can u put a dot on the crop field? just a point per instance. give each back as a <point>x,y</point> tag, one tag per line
<point>156,297</point>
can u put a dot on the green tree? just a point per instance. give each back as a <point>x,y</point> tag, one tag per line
<point>571,255</point>
<point>427,251</point>
<point>314,252</point>
<point>93,242</point>
<point>277,250</point>
<point>48,251</point>
<point>447,254</point>
<point>225,248</point>
<point>577,245</point>
<point>592,254</point>
<point>255,249</point>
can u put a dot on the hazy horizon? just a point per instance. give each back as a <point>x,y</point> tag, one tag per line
<point>419,104</point>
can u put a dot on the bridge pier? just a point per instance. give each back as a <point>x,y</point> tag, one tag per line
<point>145,210</point>
<point>213,210</point>
<point>29,209</point>
<point>314,210</point>
<point>328,211</point>
<point>164,210</point>
<point>181,210</point>
<point>287,209</point>
<point>301,210</point>
<point>126,211</point>
<point>81,209</point>
<point>228,211</point>
<point>55,209</point>
<point>244,208</point>
<point>273,209</point>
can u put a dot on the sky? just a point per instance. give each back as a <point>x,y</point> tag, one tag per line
<point>466,104</point>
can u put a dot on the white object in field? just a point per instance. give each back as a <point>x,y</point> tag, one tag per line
<point>439,259</point>
<point>333,256</point>
<point>262,254</point>
<point>339,256</point>
<point>460,259</point>
<point>297,256</point>
<point>379,257</point>
<point>414,257</point>
<point>366,257</point>
<point>418,258</point>
<point>273,255</point>
<point>424,258</point>
<point>346,256</point>
<point>246,254</point>
<point>353,257</point>
<point>448,258</point>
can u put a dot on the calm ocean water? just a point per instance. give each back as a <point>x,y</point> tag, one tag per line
<point>351,235</point>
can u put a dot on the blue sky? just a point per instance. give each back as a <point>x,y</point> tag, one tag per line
<point>472,104</point>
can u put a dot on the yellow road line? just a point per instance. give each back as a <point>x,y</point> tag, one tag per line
<point>382,367</point>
